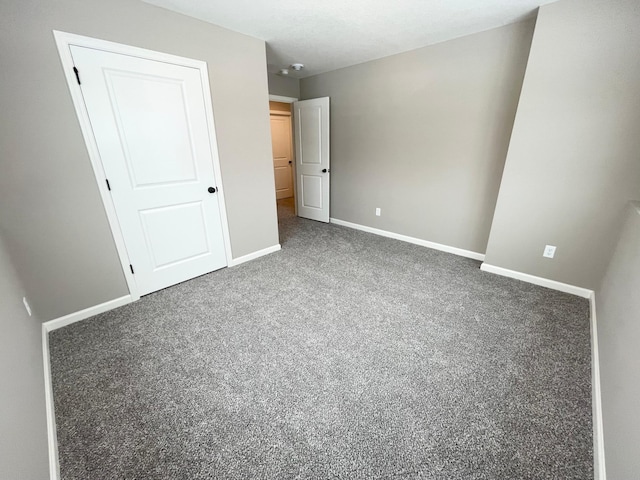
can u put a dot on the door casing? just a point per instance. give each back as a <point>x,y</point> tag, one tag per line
<point>64,41</point>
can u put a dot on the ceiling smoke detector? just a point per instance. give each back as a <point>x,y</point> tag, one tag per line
<point>297,66</point>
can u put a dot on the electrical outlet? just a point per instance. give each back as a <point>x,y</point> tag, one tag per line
<point>26,305</point>
<point>378,212</point>
<point>549,251</point>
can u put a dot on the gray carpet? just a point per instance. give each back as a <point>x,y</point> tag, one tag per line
<point>344,356</point>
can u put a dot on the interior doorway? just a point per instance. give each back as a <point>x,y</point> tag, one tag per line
<point>282,148</point>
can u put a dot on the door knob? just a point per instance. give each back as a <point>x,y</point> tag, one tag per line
<point>324,170</point>
<point>212,189</point>
<point>290,162</point>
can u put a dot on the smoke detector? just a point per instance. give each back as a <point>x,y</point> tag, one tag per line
<point>297,66</point>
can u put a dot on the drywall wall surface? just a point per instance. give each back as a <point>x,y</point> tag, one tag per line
<point>423,135</point>
<point>284,86</point>
<point>618,313</point>
<point>23,427</point>
<point>50,208</point>
<point>574,158</point>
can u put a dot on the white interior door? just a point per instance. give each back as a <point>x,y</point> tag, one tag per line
<point>150,126</point>
<point>312,158</point>
<point>282,155</point>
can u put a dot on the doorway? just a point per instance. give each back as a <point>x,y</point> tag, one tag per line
<point>280,115</point>
<point>282,148</point>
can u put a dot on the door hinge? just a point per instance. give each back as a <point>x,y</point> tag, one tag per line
<point>75,70</point>
<point>131,267</point>
<point>108,186</point>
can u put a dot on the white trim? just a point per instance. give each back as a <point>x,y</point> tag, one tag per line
<point>543,282</point>
<point>596,396</point>
<point>64,41</point>
<point>598,428</point>
<point>86,313</point>
<point>416,241</point>
<point>254,255</point>
<point>54,464</point>
<point>280,98</point>
<point>279,112</point>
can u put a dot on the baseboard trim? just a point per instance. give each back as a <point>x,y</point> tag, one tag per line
<point>52,439</point>
<point>86,313</point>
<point>598,428</point>
<point>252,256</point>
<point>405,238</point>
<point>543,282</point>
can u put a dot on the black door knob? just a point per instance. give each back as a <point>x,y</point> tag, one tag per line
<point>290,162</point>
<point>324,170</point>
<point>212,189</point>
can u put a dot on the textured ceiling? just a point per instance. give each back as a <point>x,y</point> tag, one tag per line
<point>328,34</point>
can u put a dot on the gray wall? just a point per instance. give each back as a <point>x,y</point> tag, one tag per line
<point>284,86</point>
<point>574,157</point>
<point>424,134</point>
<point>50,209</point>
<point>23,429</point>
<point>618,313</point>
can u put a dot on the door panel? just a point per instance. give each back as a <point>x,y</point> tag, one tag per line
<point>282,155</point>
<point>152,159</point>
<point>311,134</point>
<point>312,158</point>
<point>311,191</point>
<point>150,125</point>
<point>175,233</point>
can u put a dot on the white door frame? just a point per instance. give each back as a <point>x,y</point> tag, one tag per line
<point>64,41</point>
<point>280,98</point>
<point>292,162</point>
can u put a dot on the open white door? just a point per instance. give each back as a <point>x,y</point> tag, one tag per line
<point>312,158</point>
<point>150,125</point>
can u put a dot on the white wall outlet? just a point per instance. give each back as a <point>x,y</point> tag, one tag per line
<point>26,305</point>
<point>378,212</point>
<point>549,251</point>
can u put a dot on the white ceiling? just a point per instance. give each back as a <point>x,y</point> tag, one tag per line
<point>326,35</point>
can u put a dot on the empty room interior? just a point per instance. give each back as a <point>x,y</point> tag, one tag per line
<point>298,239</point>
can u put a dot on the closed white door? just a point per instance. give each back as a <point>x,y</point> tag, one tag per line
<point>150,126</point>
<point>282,155</point>
<point>312,158</point>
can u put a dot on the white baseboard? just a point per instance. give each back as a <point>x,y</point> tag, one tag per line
<point>252,256</point>
<point>54,465</point>
<point>596,397</point>
<point>86,313</point>
<point>416,241</point>
<point>543,282</point>
<point>598,428</point>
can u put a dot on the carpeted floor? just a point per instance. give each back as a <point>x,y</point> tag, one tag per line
<point>344,356</point>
